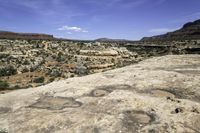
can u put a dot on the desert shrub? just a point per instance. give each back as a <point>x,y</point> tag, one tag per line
<point>26,62</point>
<point>72,75</point>
<point>4,85</point>
<point>25,70</point>
<point>81,70</point>
<point>55,73</point>
<point>51,79</point>
<point>39,80</point>
<point>60,57</point>
<point>4,56</point>
<point>8,71</point>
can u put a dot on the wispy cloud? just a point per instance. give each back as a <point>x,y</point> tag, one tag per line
<point>73,28</point>
<point>162,30</point>
<point>186,18</point>
<point>123,3</point>
<point>43,9</point>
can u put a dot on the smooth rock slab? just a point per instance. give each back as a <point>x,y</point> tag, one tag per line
<point>149,97</point>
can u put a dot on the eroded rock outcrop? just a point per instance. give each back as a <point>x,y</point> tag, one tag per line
<point>157,95</point>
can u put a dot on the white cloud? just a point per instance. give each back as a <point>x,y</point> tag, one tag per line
<point>69,33</point>
<point>73,28</point>
<point>161,30</point>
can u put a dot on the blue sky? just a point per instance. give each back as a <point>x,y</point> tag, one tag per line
<point>91,19</point>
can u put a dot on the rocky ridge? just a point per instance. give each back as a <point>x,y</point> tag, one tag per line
<point>189,31</point>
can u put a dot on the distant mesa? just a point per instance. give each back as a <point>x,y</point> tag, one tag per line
<point>32,36</point>
<point>111,40</point>
<point>190,30</point>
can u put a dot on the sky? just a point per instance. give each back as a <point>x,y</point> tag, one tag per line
<point>92,19</point>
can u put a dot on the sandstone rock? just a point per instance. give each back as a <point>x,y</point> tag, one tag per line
<point>108,53</point>
<point>99,53</point>
<point>158,95</point>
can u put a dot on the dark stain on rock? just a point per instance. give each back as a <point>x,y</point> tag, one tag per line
<point>178,110</point>
<point>173,100</point>
<point>134,120</point>
<point>115,87</point>
<point>4,110</point>
<point>161,93</point>
<point>179,93</point>
<point>3,131</point>
<point>56,103</point>
<point>195,110</point>
<point>90,129</point>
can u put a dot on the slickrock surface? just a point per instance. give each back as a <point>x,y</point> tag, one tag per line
<point>157,95</point>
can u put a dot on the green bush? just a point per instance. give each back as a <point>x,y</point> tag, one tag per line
<point>4,56</point>
<point>4,85</point>
<point>8,71</point>
<point>26,62</point>
<point>39,80</point>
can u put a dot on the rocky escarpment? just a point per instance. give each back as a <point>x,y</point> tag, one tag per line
<point>189,31</point>
<point>157,95</point>
<point>161,48</point>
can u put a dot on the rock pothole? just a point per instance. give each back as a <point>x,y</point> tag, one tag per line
<point>134,120</point>
<point>56,103</point>
<point>100,92</point>
<point>178,110</point>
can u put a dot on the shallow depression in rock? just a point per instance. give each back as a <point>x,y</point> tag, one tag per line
<point>162,93</point>
<point>56,103</point>
<point>134,120</point>
<point>100,92</point>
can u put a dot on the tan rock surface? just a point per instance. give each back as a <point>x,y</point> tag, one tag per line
<point>158,95</point>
